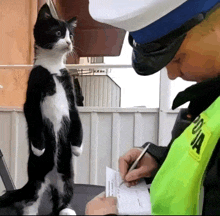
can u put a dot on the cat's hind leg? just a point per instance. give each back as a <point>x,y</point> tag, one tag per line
<point>61,196</point>
<point>67,211</point>
<point>31,206</point>
<point>55,198</point>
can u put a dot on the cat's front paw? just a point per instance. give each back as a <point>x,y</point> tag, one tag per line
<point>36,151</point>
<point>77,151</point>
<point>67,211</point>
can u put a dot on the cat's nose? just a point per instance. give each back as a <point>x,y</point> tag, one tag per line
<point>68,43</point>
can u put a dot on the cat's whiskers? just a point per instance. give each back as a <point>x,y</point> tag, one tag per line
<point>78,48</point>
<point>72,53</point>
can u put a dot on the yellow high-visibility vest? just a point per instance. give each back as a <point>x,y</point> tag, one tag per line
<point>176,187</point>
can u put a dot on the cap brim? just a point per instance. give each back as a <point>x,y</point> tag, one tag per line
<point>147,63</point>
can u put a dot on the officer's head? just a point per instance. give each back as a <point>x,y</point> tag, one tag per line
<point>173,33</point>
<point>198,57</point>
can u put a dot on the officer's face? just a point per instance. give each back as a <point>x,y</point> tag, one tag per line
<point>197,59</point>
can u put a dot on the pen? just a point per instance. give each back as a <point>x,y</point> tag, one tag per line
<point>137,160</point>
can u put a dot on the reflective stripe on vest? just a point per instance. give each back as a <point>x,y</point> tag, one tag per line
<point>176,187</point>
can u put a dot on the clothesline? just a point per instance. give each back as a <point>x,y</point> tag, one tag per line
<point>71,66</point>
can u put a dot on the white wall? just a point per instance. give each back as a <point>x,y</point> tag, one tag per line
<point>142,90</point>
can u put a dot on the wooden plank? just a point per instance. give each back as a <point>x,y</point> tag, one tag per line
<point>138,129</point>
<point>14,146</point>
<point>82,163</point>
<point>94,149</point>
<point>116,135</point>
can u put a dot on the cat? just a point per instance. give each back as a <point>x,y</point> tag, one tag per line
<point>78,91</point>
<point>54,128</point>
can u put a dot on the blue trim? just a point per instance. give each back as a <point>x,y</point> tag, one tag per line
<point>173,20</point>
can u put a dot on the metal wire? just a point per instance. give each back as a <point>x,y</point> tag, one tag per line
<point>71,66</point>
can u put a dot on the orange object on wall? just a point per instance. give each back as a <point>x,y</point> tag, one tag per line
<point>92,38</point>
<point>16,47</point>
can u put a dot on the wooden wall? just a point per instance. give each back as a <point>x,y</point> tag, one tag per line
<point>16,47</point>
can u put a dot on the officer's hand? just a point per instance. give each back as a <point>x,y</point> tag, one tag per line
<point>147,166</point>
<point>102,205</point>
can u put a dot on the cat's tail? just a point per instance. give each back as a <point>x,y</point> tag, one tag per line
<point>15,196</point>
<point>10,198</point>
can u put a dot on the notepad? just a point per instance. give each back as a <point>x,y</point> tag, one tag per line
<point>131,201</point>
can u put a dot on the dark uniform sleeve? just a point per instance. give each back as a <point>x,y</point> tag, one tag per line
<point>158,152</point>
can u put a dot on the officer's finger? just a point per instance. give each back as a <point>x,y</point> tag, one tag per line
<point>101,195</point>
<point>112,200</point>
<point>132,183</point>
<point>126,161</point>
<point>136,174</point>
<point>123,167</point>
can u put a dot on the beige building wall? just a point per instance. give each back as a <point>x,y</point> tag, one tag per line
<point>16,47</point>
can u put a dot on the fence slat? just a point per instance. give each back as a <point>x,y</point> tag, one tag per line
<point>116,124</point>
<point>14,145</point>
<point>94,149</point>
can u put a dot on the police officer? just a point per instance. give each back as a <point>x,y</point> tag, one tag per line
<point>184,36</point>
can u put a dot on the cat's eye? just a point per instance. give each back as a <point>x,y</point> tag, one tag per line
<point>58,33</point>
<point>71,37</point>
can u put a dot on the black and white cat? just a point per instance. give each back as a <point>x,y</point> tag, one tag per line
<point>54,126</point>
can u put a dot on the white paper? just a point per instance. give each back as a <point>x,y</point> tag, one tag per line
<point>131,201</point>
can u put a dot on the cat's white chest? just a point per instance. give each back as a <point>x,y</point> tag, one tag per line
<point>56,106</point>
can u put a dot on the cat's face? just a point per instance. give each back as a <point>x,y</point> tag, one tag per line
<point>50,33</point>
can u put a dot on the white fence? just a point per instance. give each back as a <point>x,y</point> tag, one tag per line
<point>108,134</point>
<point>100,90</point>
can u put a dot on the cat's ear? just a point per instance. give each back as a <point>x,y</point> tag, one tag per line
<point>44,13</point>
<point>73,22</point>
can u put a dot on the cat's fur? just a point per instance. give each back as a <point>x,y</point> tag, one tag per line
<point>54,126</point>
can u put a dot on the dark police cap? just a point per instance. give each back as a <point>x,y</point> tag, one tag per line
<point>155,45</point>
